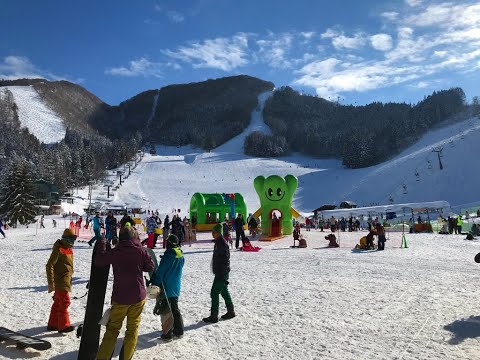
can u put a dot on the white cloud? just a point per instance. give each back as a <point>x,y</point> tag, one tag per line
<point>175,17</point>
<point>421,85</point>
<point>447,15</point>
<point>307,34</point>
<point>330,78</point>
<point>274,51</point>
<point>413,2</point>
<point>18,67</point>
<point>390,15</point>
<point>382,42</point>
<point>221,53</point>
<point>139,67</point>
<point>339,40</point>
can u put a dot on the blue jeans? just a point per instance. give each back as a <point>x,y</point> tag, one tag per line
<point>97,235</point>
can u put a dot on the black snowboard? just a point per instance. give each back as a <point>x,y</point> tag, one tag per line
<point>477,258</point>
<point>94,311</point>
<point>23,341</point>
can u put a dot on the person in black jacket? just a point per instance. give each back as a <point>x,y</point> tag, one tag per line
<point>126,219</point>
<point>178,229</point>
<point>239,232</point>
<point>221,270</point>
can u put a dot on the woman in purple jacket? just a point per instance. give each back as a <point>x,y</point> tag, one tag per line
<point>129,261</point>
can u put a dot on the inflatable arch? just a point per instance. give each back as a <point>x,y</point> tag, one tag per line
<point>211,209</point>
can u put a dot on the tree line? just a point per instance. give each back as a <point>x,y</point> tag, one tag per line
<point>360,135</point>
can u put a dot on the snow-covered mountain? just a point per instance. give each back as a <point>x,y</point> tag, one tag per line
<point>167,180</point>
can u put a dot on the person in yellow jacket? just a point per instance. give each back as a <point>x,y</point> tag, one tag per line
<point>59,276</point>
<point>459,224</point>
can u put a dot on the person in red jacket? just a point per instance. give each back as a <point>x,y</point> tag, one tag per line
<point>129,261</point>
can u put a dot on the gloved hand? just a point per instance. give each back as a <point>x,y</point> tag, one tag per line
<point>51,287</point>
<point>157,310</point>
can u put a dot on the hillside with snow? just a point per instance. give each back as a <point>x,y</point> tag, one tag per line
<point>34,115</point>
<point>168,180</point>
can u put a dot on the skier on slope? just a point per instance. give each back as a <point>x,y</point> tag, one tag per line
<point>169,274</point>
<point>221,270</point>
<point>59,276</point>
<point>129,260</point>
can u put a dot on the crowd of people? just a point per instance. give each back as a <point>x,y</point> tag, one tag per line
<point>130,260</point>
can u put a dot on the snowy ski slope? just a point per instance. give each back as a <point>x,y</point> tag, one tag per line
<point>168,180</point>
<point>36,116</point>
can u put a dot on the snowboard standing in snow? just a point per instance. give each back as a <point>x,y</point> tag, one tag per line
<point>23,341</point>
<point>94,311</point>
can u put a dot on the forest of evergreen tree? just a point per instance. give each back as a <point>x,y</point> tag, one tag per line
<point>360,135</point>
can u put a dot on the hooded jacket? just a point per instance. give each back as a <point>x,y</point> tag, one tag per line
<point>169,271</point>
<point>129,261</point>
<point>221,257</point>
<point>60,266</point>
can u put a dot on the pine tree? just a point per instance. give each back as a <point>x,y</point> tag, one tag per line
<point>17,203</point>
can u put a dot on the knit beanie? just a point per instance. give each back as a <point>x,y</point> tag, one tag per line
<point>172,240</point>
<point>126,233</point>
<point>69,236</point>
<point>218,228</point>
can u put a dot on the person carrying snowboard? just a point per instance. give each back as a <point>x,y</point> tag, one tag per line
<point>96,228</point>
<point>59,276</point>
<point>169,277</point>
<point>129,260</point>
<point>221,270</point>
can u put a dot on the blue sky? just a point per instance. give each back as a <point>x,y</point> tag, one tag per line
<point>357,51</point>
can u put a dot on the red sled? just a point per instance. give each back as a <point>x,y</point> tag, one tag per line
<point>247,246</point>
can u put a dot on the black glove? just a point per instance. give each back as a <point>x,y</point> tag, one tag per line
<point>159,308</point>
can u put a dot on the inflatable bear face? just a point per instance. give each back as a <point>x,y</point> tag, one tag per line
<point>276,192</point>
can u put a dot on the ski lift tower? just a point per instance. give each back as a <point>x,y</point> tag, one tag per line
<point>438,150</point>
<point>90,189</point>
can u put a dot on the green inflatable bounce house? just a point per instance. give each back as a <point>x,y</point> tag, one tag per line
<point>211,209</point>
<point>276,196</point>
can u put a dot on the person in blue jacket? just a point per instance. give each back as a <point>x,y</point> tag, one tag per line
<point>169,275</point>
<point>96,228</point>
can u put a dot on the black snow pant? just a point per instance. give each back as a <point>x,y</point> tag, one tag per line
<point>155,238</point>
<point>1,232</point>
<point>381,242</point>
<point>239,233</point>
<point>177,316</point>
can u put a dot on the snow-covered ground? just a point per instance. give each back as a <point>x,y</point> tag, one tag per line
<point>34,115</point>
<point>316,303</point>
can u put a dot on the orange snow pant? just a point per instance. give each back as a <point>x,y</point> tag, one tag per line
<point>59,318</point>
